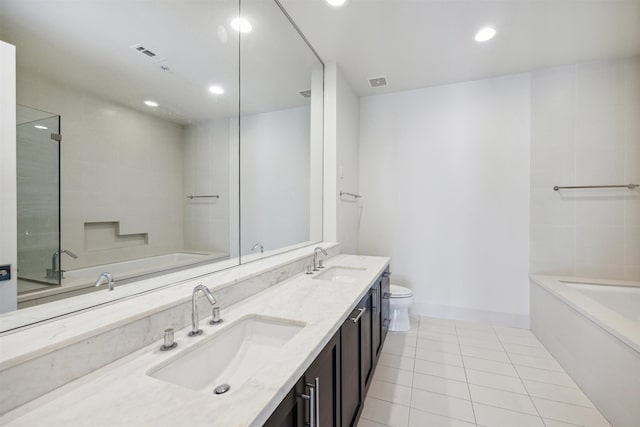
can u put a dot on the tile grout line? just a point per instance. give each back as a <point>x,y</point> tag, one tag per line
<point>524,385</point>
<point>473,410</point>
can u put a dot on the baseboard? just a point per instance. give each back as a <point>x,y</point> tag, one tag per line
<point>458,313</point>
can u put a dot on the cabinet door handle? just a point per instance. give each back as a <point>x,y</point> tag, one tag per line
<point>385,322</point>
<point>374,297</point>
<point>386,274</point>
<point>317,390</point>
<point>386,295</point>
<point>357,318</point>
<point>311,397</point>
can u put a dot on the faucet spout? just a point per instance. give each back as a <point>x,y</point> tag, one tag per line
<point>56,270</point>
<point>106,278</point>
<point>195,318</point>
<point>316,251</point>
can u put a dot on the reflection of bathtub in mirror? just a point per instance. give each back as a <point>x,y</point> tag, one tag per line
<point>81,281</point>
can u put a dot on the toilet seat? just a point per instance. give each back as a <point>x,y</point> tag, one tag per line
<point>400,292</point>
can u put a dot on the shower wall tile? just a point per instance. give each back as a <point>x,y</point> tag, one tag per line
<point>117,165</point>
<point>585,131</point>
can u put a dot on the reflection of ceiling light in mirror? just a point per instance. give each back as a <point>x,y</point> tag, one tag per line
<point>485,34</point>
<point>336,2</point>
<point>40,127</point>
<point>241,25</point>
<point>150,103</point>
<point>216,90</point>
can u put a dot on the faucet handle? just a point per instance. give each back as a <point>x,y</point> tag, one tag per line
<point>215,316</point>
<point>169,343</point>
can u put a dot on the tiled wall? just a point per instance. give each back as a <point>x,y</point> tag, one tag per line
<point>117,165</point>
<point>207,172</point>
<point>585,130</point>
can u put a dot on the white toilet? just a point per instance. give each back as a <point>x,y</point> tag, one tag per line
<point>400,301</point>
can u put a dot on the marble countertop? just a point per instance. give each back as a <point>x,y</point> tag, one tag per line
<point>123,394</point>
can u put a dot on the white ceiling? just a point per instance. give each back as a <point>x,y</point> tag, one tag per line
<point>85,45</point>
<point>420,43</point>
<point>415,43</point>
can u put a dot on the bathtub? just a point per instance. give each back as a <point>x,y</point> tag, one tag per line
<point>592,328</point>
<point>81,281</point>
<point>135,267</point>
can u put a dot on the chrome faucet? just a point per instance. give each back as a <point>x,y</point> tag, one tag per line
<point>195,319</point>
<point>258,246</point>
<point>106,278</point>
<point>55,272</point>
<point>315,257</point>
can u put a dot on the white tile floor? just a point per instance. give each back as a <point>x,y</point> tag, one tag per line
<point>446,373</point>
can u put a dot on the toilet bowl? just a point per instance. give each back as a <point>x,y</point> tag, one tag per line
<point>400,301</point>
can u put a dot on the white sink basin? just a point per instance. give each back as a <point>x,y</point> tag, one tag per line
<point>230,357</point>
<point>340,274</point>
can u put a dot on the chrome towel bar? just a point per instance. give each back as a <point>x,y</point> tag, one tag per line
<point>344,193</point>
<point>215,196</point>
<point>629,186</point>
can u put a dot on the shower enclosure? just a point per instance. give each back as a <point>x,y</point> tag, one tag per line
<point>38,193</point>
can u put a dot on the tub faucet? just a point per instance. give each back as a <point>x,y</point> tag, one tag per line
<point>315,257</point>
<point>106,278</point>
<point>195,319</point>
<point>258,246</point>
<point>55,272</point>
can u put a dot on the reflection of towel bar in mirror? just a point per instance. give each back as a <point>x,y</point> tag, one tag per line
<point>629,186</point>
<point>204,197</point>
<point>344,193</point>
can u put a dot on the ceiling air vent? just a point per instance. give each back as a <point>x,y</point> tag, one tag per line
<point>139,47</point>
<point>378,81</point>
<point>305,93</point>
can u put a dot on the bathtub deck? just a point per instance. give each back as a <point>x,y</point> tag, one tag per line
<point>464,374</point>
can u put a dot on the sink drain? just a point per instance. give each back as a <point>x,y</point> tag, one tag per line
<point>221,389</point>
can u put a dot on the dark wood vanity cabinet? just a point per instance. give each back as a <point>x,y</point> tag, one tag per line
<point>317,395</point>
<point>333,389</point>
<point>355,339</point>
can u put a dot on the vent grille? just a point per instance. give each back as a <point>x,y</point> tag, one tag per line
<point>378,81</point>
<point>139,47</point>
<point>305,93</point>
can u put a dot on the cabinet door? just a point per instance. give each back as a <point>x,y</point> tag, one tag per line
<point>324,376</point>
<point>353,351</point>
<point>385,308</point>
<point>290,412</point>
<point>367,352</point>
<point>375,319</point>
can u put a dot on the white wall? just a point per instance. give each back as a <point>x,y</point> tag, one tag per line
<point>8,219</point>
<point>347,137</point>
<point>274,179</point>
<point>117,164</point>
<point>445,176</point>
<point>206,172</point>
<point>585,131</point>
<point>341,161</point>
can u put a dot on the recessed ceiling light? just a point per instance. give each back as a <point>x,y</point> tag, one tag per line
<point>216,90</point>
<point>151,103</point>
<point>40,127</point>
<point>241,25</point>
<point>485,34</point>
<point>336,2</point>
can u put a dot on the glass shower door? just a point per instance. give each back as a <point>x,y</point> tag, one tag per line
<point>38,191</point>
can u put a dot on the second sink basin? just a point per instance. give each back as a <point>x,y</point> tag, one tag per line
<point>340,274</point>
<point>231,357</point>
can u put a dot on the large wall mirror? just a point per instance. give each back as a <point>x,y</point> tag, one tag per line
<point>159,135</point>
